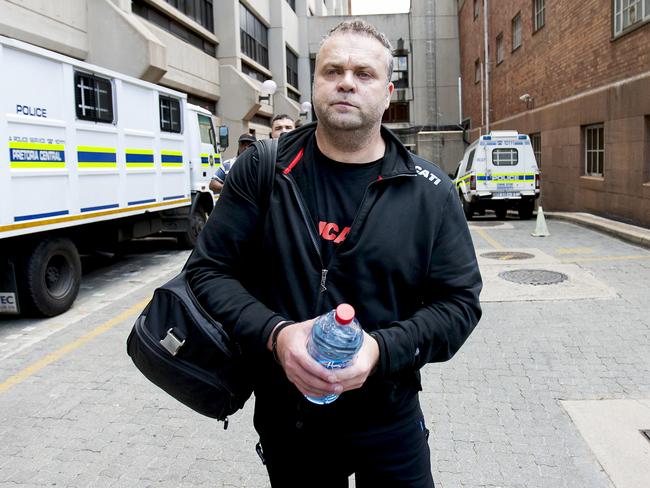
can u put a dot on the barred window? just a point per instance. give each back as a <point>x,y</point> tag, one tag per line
<point>292,68</point>
<point>500,54</point>
<point>170,114</point>
<point>254,37</point>
<point>505,157</point>
<point>594,137</point>
<point>539,8</point>
<point>397,112</point>
<point>93,97</point>
<point>629,12</point>
<point>516,31</point>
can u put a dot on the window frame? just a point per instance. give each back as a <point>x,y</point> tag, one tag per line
<point>400,81</point>
<point>212,139</point>
<point>598,151</point>
<point>397,113</point>
<point>500,49</point>
<point>201,11</point>
<point>80,101</point>
<point>516,29</point>
<point>503,150</point>
<point>622,7</point>
<point>292,69</point>
<point>539,14</point>
<point>174,104</point>
<point>254,36</point>
<point>536,144</point>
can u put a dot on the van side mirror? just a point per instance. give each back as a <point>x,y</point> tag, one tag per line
<point>223,137</point>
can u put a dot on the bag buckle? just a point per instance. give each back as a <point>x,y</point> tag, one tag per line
<point>171,342</point>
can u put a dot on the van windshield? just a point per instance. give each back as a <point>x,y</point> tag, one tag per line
<point>505,157</point>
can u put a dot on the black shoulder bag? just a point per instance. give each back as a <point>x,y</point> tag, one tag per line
<point>180,348</point>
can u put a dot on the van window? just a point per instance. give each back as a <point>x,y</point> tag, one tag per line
<point>470,159</point>
<point>170,114</point>
<point>93,97</point>
<point>207,133</point>
<point>505,157</point>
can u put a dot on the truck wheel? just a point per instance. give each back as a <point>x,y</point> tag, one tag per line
<point>52,276</point>
<point>467,207</point>
<point>502,212</point>
<point>197,221</point>
<point>526,209</point>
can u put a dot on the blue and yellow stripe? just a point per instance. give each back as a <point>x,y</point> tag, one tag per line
<point>139,158</point>
<point>172,159</point>
<point>30,155</point>
<point>96,157</point>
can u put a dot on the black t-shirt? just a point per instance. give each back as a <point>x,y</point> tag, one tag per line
<point>333,191</point>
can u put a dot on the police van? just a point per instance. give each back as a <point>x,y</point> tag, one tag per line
<point>499,172</point>
<point>92,157</point>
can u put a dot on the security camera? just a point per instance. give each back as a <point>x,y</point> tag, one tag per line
<point>525,97</point>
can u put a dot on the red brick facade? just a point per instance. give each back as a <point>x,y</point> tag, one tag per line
<point>577,73</point>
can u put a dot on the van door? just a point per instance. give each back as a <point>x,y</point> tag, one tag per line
<point>506,174</point>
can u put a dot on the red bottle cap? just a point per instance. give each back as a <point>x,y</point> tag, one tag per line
<point>344,313</point>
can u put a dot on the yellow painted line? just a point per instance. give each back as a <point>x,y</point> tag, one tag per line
<point>487,238</point>
<point>171,153</point>
<point>56,355</point>
<point>139,165</point>
<point>71,218</point>
<point>605,258</point>
<point>172,165</point>
<point>36,146</point>
<point>97,165</point>
<point>574,250</point>
<point>147,152</point>
<point>19,165</point>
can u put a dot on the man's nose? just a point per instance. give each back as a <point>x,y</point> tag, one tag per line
<point>346,82</point>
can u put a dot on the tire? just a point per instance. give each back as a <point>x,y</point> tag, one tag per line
<point>197,221</point>
<point>52,275</point>
<point>525,209</point>
<point>501,212</point>
<point>467,207</point>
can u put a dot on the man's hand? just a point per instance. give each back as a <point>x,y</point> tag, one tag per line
<point>357,372</point>
<point>313,379</point>
<point>301,369</point>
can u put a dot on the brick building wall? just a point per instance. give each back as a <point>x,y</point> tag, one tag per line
<point>577,73</point>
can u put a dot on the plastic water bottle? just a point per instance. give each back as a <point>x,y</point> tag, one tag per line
<point>336,337</point>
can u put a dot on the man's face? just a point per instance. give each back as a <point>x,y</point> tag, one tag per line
<point>350,84</point>
<point>281,126</point>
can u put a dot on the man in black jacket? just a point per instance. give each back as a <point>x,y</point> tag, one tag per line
<point>352,217</point>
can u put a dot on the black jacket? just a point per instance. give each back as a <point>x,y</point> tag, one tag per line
<point>407,266</point>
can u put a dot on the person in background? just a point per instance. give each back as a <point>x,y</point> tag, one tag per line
<point>352,217</point>
<point>280,124</point>
<point>219,178</point>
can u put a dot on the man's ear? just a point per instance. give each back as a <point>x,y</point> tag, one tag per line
<point>389,92</point>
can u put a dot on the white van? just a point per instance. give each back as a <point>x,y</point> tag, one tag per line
<point>499,172</point>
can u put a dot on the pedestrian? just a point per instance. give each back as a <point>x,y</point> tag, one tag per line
<point>219,177</point>
<point>280,124</point>
<point>353,217</point>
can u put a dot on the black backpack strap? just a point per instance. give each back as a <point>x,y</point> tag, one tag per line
<point>267,150</point>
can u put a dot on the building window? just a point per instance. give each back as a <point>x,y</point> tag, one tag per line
<point>205,103</point>
<point>629,12</point>
<point>516,31</point>
<point>477,71</point>
<point>594,149</point>
<point>477,9</point>
<point>536,142</point>
<point>170,114</point>
<point>293,95</point>
<point>254,37</point>
<point>397,112</point>
<point>93,97</point>
<point>162,20</point>
<point>539,7</point>
<point>505,157</point>
<point>292,69</point>
<point>500,48</point>
<point>400,76</point>
<point>292,4</point>
<point>254,73</point>
<point>199,10</point>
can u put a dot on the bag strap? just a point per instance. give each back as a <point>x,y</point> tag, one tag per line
<point>267,150</point>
